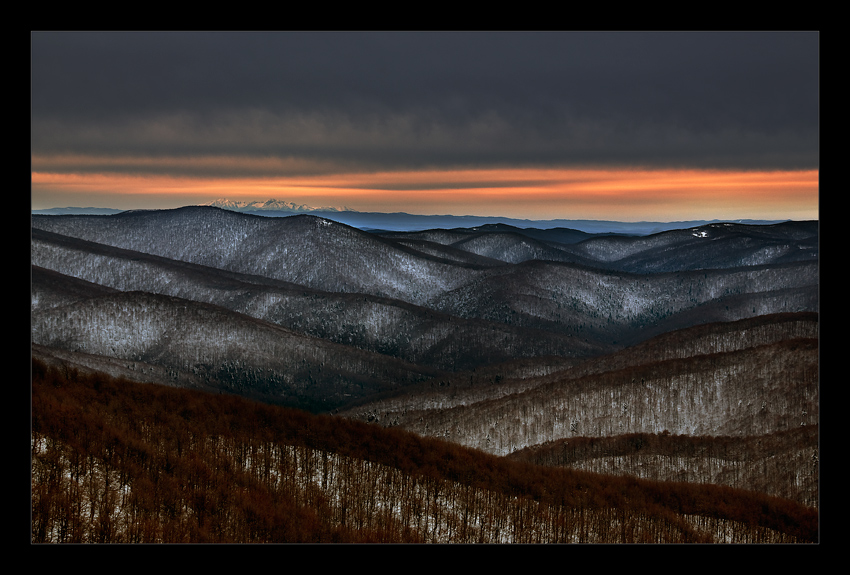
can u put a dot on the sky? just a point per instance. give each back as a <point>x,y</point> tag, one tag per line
<point>628,126</point>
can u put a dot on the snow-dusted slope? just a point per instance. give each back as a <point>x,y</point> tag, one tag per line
<point>209,346</point>
<point>712,246</point>
<point>751,377</point>
<point>306,250</point>
<point>378,324</point>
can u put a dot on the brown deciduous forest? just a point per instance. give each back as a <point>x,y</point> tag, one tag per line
<point>116,461</point>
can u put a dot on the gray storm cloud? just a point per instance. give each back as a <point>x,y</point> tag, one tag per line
<point>413,100</point>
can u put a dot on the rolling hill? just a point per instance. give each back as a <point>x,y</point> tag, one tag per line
<point>685,355</point>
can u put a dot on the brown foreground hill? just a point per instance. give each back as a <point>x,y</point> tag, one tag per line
<point>121,461</point>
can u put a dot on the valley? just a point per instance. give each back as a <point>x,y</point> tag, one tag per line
<point>688,355</point>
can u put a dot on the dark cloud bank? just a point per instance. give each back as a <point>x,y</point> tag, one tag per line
<point>412,100</point>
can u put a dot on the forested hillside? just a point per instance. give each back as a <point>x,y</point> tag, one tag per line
<point>749,384</point>
<point>118,461</point>
<point>491,369</point>
<point>209,347</point>
<point>784,464</point>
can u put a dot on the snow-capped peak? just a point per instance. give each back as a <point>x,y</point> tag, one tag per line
<point>271,204</point>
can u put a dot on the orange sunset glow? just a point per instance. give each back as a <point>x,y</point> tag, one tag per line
<point>615,126</point>
<point>625,194</point>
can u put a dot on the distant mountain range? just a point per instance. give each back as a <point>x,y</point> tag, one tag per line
<point>401,221</point>
<point>271,205</point>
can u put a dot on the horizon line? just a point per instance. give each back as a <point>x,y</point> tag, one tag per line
<point>343,211</point>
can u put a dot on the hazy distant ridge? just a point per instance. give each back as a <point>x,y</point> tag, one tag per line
<point>401,221</point>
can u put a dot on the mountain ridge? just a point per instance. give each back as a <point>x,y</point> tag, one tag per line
<point>402,221</point>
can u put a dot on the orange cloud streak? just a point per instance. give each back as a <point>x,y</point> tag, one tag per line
<point>525,193</point>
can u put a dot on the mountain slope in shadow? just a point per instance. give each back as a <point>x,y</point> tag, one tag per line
<point>749,382</point>
<point>210,347</point>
